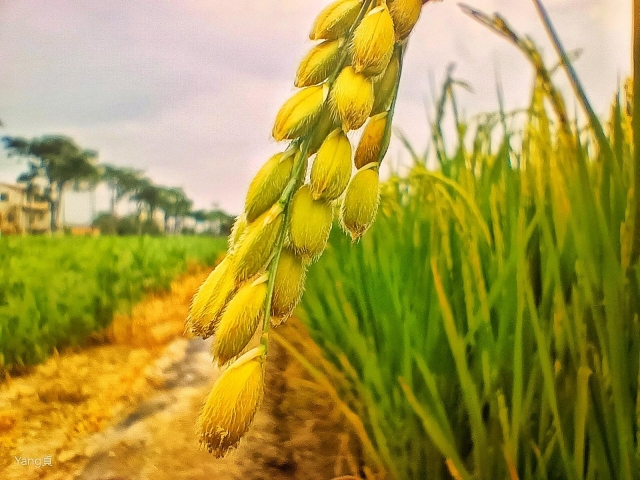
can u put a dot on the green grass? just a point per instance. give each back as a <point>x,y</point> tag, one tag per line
<point>54,292</point>
<point>488,323</point>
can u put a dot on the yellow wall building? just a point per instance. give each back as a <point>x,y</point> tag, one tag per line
<point>19,215</point>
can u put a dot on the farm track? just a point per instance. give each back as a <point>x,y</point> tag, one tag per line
<point>127,410</point>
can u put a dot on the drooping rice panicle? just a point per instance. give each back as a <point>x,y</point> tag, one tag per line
<point>350,74</point>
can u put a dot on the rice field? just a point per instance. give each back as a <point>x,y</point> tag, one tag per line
<point>55,292</point>
<point>487,325</point>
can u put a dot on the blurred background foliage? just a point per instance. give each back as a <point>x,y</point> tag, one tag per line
<point>487,325</point>
<point>55,292</point>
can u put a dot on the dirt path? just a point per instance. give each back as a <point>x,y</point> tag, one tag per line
<point>117,412</point>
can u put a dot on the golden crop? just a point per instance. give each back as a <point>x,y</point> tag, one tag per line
<point>350,75</point>
<point>232,403</point>
<point>331,169</point>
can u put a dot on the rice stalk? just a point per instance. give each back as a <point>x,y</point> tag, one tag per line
<point>490,317</point>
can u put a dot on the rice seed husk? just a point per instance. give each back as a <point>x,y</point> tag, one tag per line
<point>405,15</point>
<point>361,201</point>
<point>327,123</point>
<point>352,98</point>
<point>384,86</point>
<point>318,64</point>
<point>310,223</point>
<point>237,230</point>
<point>373,42</point>
<point>370,144</point>
<point>232,403</point>
<point>256,245</point>
<point>210,299</point>
<point>240,320</point>
<point>267,186</point>
<point>298,114</point>
<point>331,170</point>
<point>288,285</point>
<point>335,20</point>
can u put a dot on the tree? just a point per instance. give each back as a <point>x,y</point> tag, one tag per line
<point>220,221</point>
<point>56,159</point>
<point>122,181</point>
<point>175,204</point>
<point>169,198</point>
<point>182,210</point>
<point>200,216</point>
<point>148,197</point>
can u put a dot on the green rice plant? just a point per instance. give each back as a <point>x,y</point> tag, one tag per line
<point>488,322</point>
<point>54,292</point>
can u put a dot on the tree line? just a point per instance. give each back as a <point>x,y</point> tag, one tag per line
<point>56,163</point>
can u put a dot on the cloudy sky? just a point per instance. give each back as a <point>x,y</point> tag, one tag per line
<point>188,90</point>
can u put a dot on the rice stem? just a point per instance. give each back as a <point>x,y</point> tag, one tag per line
<point>386,137</point>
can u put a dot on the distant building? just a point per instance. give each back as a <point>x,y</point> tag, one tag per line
<point>19,215</point>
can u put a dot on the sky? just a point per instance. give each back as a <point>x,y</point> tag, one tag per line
<point>188,90</point>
